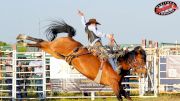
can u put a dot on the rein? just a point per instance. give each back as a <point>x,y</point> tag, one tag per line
<point>115,42</point>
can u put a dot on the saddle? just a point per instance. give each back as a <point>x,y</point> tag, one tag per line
<point>105,52</point>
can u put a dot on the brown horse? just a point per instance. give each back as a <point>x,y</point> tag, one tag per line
<point>86,63</point>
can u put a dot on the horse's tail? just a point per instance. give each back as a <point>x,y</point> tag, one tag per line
<point>59,27</point>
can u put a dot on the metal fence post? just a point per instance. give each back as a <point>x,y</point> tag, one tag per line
<point>141,87</point>
<point>14,76</point>
<point>156,70</point>
<point>92,96</point>
<point>44,74</point>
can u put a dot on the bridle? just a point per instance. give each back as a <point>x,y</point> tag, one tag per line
<point>135,61</point>
<point>132,64</point>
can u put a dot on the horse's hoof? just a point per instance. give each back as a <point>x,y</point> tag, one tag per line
<point>20,41</point>
<point>120,100</point>
<point>129,99</point>
<point>21,37</point>
<point>24,44</point>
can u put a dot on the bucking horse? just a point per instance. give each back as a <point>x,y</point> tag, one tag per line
<point>84,61</point>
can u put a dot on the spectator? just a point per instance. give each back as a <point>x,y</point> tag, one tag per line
<point>19,82</point>
<point>38,73</point>
<point>23,80</point>
<point>8,67</point>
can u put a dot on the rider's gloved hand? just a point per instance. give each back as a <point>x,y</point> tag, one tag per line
<point>80,13</point>
<point>111,38</point>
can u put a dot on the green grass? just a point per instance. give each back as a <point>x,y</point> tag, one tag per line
<point>162,97</point>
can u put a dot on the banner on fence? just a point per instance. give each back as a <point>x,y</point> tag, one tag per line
<point>58,68</point>
<point>173,66</point>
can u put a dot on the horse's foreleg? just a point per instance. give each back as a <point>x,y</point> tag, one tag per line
<point>124,93</point>
<point>115,87</point>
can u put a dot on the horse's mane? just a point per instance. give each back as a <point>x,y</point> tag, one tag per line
<point>57,27</point>
<point>129,56</point>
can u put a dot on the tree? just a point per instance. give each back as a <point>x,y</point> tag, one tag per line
<point>3,43</point>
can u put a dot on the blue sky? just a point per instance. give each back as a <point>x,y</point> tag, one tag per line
<point>129,20</point>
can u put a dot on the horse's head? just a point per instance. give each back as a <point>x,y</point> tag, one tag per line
<point>139,61</point>
<point>135,59</point>
<point>140,57</point>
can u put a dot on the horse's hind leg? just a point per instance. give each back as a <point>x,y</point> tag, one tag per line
<point>32,45</point>
<point>22,37</point>
<point>25,37</point>
<point>34,39</point>
<point>39,43</point>
<point>22,43</point>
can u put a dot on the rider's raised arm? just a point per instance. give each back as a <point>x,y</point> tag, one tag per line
<point>83,20</point>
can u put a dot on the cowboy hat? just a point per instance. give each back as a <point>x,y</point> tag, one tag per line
<point>92,21</point>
